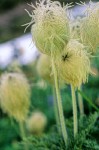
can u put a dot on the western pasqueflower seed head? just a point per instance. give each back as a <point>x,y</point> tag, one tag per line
<point>50,30</point>
<point>90,27</point>
<point>44,68</point>
<point>14,67</point>
<point>37,123</point>
<point>74,64</point>
<point>15,95</point>
<point>75,28</point>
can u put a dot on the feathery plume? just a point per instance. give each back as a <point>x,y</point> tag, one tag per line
<point>36,123</point>
<point>50,30</point>
<point>74,64</point>
<point>15,95</point>
<point>44,68</point>
<point>90,27</point>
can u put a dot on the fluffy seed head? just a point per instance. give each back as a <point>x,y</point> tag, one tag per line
<point>75,28</point>
<point>15,95</point>
<point>50,30</point>
<point>90,27</point>
<point>37,123</point>
<point>44,68</point>
<point>14,67</point>
<point>74,64</point>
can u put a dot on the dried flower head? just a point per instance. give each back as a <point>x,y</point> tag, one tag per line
<point>15,95</point>
<point>90,27</point>
<point>50,30</point>
<point>37,123</point>
<point>74,64</point>
<point>44,68</point>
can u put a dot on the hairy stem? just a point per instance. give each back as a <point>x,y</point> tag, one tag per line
<point>22,132</point>
<point>80,102</point>
<point>74,110</point>
<point>59,102</point>
<point>56,110</point>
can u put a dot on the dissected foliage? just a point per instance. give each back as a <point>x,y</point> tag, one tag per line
<point>85,140</point>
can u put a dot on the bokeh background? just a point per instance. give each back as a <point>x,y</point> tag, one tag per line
<point>16,47</point>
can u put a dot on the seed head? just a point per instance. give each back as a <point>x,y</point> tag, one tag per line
<point>74,64</point>
<point>15,95</point>
<point>75,28</point>
<point>50,30</point>
<point>44,68</point>
<point>14,67</point>
<point>37,123</point>
<point>90,27</point>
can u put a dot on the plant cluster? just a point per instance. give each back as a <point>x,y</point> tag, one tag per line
<point>70,59</point>
<point>66,59</point>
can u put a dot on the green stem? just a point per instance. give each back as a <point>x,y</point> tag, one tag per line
<point>56,110</point>
<point>74,110</point>
<point>23,136</point>
<point>59,103</point>
<point>80,102</point>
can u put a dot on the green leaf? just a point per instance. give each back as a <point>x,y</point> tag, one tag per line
<point>88,100</point>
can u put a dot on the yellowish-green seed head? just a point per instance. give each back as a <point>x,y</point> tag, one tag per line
<point>14,67</point>
<point>15,95</point>
<point>90,28</point>
<point>50,30</point>
<point>74,64</point>
<point>37,123</point>
<point>44,68</point>
<point>75,28</point>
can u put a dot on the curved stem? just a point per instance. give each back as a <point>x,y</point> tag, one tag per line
<point>23,136</point>
<point>74,110</point>
<point>56,110</point>
<point>80,103</point>
<point>59,103</point>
